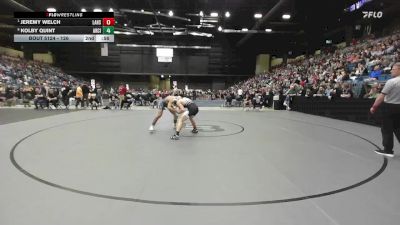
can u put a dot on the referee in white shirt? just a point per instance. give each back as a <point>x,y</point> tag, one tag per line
<point>390,97</point>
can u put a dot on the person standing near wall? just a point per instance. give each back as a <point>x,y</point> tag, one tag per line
<point>390,97</point>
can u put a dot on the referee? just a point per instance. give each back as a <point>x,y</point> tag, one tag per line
<point>390,97</point>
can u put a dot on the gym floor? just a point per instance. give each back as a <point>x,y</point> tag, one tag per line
<point>255,167</point>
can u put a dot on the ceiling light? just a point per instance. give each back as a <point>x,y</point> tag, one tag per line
<point>83,10</point>
<point>258,15</point>
<point>219,28</point>
<point>214,14</point>
<point>286,16</point>
<point>97,10</point>
<point>268,30</point>
<point>51,10</point>
<point>111,10</point>
<point>245,29</point>
<point>227,14</point>
<point>209,21</point>
<point>170,13</point>
<point>178,33</point>
<point>201,13</point>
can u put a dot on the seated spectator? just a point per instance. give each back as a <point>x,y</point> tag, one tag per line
<point>52,98</point>
<point>257,100</point>
<point>337,91</point>
<point>229,98</point>
<point>28,94</point>
<point>320,92</point>
<point>374,92</point>
<point>2,95</point>
<point>92,97</point>
<point>10,96</point>
<point>328,90</point>
<point>347,92</point>
<point>127,100</point>
<point>40,98</point>
<point>66,94</point>
<point>248,100</point>
<point>99,94</point>
<point>85,92</point>
<point>376,72</point>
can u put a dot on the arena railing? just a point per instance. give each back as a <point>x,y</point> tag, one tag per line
<point>355,110</point>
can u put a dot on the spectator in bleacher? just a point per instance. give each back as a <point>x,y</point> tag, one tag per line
<point>28,94</point>
<point>248,100</point>
<point>347,92</point>
<point>373,92</point>
<point>376,72</point>
<point>337,91</point>
<point>19,73</point>
<point>361,70</point>
<point>293,91</point>
<point>10,96</point>
<point>321,92</point>
<point>229,97</point>
<point>239,96</point>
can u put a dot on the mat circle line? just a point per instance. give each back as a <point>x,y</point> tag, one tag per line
<point>155,202</point>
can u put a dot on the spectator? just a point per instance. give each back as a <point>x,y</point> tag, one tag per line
<point>374,92</point>
<point>376,72</point>
<point>65,94</point>
<point>85,93</point>
<point>122,92</point>
<point>78,96</point>
<point>40,97</point>
<point>52,98</point>
<point>347,92</point>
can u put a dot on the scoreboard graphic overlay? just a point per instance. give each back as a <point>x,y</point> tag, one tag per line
<point>64,27</point>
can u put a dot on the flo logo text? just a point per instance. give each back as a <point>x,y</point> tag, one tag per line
<point>372,14</point>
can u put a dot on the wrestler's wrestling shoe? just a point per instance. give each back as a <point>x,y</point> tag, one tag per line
<point>175,137</point>
<point>195,131</point>
<point>151,128</point>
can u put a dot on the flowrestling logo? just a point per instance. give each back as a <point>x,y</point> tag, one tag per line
<point>372,14</point>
